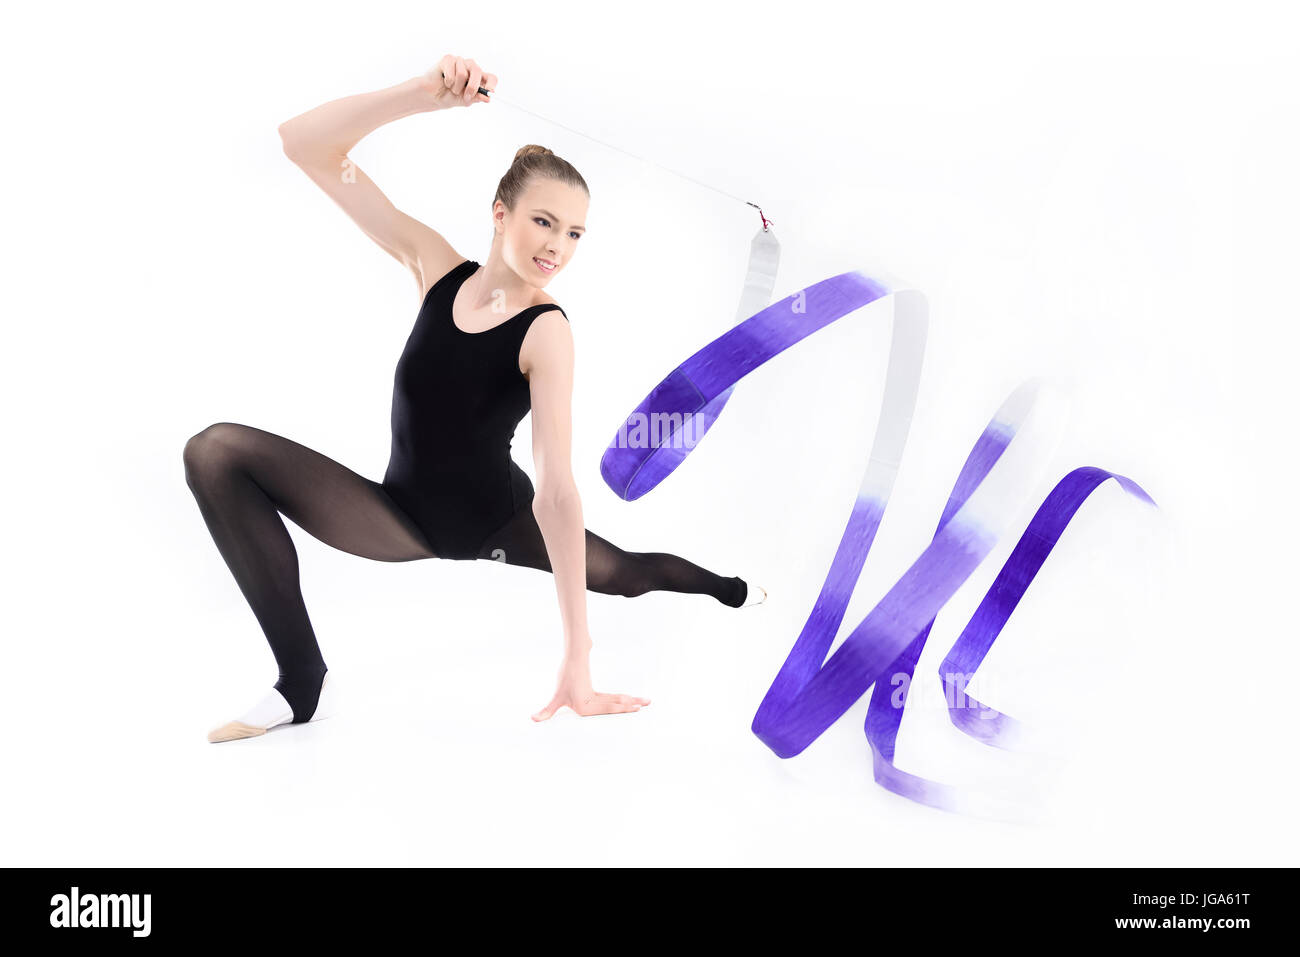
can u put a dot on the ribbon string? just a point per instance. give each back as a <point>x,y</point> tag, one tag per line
<point>497,98</point>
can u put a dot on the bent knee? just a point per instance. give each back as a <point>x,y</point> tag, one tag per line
<point>621,587</point>
<point>213,447</point>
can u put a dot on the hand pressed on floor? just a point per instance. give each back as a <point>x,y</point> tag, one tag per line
<point>574,691</point>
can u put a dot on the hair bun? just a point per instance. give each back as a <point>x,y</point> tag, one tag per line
<point>530,150</point>
<point>533,164</point>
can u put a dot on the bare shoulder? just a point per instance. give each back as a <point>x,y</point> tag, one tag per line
<point>548,342</point>
<point>434,260</point>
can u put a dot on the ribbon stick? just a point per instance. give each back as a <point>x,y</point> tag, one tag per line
<point>810,692</point>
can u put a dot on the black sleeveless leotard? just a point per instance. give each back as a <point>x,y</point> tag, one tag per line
<point>457,398</point>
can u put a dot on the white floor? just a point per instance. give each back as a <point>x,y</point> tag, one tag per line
<point>433,758</point>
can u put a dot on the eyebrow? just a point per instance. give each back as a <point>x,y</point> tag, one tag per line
<point>553,216</point>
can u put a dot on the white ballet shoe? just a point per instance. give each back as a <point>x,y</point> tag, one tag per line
<point>270,712</point>
<point>754,594</point>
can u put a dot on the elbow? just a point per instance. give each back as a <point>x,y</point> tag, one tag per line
<point>557,499</point>
<point>287,140</point>
<point>290,141</point>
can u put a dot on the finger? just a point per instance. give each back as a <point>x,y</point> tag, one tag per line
<point>624,698</point>
<point>490,82</point>
<point>554,706</point>
<point>619,707</point>
<point>475,81</point>
<point>459,76</point>
<point>449,71</point>
<point>545,713</point>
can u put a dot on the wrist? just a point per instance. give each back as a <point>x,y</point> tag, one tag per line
<point>577,651</point>
<point>423,93</point>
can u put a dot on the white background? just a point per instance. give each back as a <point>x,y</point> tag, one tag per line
<point>1099,193</point>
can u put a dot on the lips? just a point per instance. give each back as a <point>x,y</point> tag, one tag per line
<point>544,265</point>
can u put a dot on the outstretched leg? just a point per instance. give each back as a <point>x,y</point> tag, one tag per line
<point>243,478</point>
<point>610,569</point>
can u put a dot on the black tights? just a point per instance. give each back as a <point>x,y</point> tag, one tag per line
<point>243,478</point>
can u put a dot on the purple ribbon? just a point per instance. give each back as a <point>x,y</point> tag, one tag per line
<point>810,693</point>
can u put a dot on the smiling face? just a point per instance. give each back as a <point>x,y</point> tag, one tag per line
<point>547,224</point>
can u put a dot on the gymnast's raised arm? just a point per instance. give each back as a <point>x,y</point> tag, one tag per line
<point>318,142</point>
